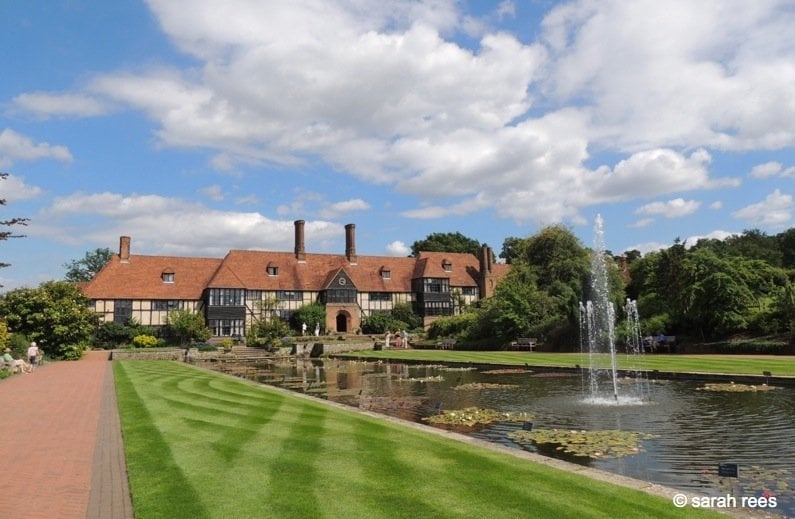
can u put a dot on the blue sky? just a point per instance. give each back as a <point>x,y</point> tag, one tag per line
<point>200,127</point>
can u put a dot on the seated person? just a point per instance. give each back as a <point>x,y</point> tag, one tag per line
<point>16,364</point>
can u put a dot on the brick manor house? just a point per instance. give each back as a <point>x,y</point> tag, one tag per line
<point>246,285</point>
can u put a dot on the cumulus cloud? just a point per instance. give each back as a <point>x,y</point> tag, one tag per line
<point>774,211</point>
<point>344,207</point>
<point>161,225</point>
<point>677,73</point>
<point>381,91</point>
<point>398,248</point>
<point>717,234</point>
<point>675,208</point>
<point>15,146</point>
<point>14,189</point>
<point>772,169</point>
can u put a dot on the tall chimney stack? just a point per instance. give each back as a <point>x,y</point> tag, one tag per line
<point>124,249</point>
<point>350,243</point>
<point>300,253</point>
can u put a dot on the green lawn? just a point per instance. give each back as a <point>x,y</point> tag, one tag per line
<point>729,364</point>
<point>200,444</point>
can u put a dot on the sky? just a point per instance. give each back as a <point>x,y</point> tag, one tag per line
<point>204,126</point>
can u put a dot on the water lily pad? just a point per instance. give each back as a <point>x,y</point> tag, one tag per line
<point>477,386</point>
<point>422,379</point>
<point>737,388</point>
<point>590,444</point>
<point>474,416</point>
<point>506,371</point>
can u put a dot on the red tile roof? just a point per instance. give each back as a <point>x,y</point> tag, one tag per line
<point>141,278</point>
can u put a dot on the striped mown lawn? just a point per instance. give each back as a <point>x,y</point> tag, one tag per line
<point>200,444</point>
<point>779,365</point>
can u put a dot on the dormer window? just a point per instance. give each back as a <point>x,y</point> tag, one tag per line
<point>167,276</point>
<point>386,273</point>
<point>447,266</point>
<point>272,269</point>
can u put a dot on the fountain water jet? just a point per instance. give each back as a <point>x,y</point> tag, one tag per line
<point>598,332</point>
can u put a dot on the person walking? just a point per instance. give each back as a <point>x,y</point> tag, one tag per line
<point>33,354</point>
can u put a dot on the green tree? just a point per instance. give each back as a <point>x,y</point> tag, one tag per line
<point>185,326</point>
<point>786,244</point>
<point>310,314</point>
<point>512,248</point>
<point>404,313</point>
<point>7,234</point>
<point>85,269</point>
<point>55,315</point>
<point>446,242</point>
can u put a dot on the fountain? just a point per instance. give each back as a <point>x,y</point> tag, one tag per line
<point>598,334</point>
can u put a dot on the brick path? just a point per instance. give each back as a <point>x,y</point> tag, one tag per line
<point>60,443</point>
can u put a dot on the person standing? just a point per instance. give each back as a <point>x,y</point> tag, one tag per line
<point>303,329</point>
<point>317,329</point>
<point>33,354</point>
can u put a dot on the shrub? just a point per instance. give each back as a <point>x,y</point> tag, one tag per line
<point>203,346</point>
<point>453,326</point>
<point>267,333</point>
<point>144,341</point>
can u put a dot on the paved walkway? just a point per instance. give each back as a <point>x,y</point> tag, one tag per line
<point>60,439</point>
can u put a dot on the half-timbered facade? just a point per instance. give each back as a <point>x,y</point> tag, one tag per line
<point>247,285</point>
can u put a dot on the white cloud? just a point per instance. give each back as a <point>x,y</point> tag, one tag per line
<point>380,91</point>
<point>45,105</point>
<point>717,234</point>
<point>774,211</point>
<point>398,249</point>
<point>716,205</point>
<point>677,73</point>
<point>647,247</point>
<point>338,209</point>
<point>675,208</point>
<point>14,189</point>
<point>15,146</point>
<point>642,223</point>
<point>161,225</point>
<point>772,169</point>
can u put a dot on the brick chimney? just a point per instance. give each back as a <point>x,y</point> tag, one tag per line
<point>486,281</point>
<point>350,243</point>
<point>124,249</point>
<point>300,253</point>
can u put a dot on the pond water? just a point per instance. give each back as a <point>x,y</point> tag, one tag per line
<point>693,430</point>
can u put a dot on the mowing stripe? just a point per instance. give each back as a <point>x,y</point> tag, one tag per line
<point>145,446</point>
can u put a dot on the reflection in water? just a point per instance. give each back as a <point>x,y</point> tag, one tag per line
<point>693,430</point>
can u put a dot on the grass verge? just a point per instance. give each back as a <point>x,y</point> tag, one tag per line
<point>728,364</point>
<point>200,444</point>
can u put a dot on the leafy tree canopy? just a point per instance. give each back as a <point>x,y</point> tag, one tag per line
<point>446,242</point>
<point>56,315</point>
<point>86,268</point>
<point>186,326</point>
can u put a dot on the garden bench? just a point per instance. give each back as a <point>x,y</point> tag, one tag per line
<point>524,343</point>
<point>446,344</point>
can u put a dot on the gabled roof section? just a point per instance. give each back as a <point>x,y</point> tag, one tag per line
<point>463,272</point>
<point>313,273</point>
<point>339,279</point>
<point>141,278</point>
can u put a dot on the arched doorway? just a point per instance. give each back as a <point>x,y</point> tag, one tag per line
<point>342,321</point>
